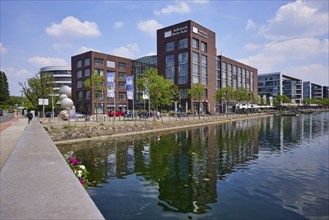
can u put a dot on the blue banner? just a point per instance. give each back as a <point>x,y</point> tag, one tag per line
<point>110,76</point>
<point>130,87</point>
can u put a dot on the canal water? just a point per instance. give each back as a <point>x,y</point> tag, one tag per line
<point>267,168</point>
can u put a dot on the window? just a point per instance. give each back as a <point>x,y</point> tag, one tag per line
<point>87,62</point>
<point>122,76</point>
<point>195,43</point>
<point>79,64</point>
<point>79,74</point>
<point>229,75</point>
<point>99,72</point>
<point>122,96</point>
<point>87,95</point>
<point>203,70</point>
<point>110,64</point>
<point>122,66</point>
<point>87,72</point>
<point>170,46</point>
<point>183,43</point>
<point>183,94</point>
<point>98,62</point>
<point>195,67</point>
<point>183,68</point>
<point>239,77</point>
<point>79,84</point>
<point>203,46</point>
<point>79,96</point>
<point>244,78</point>
<point>224,70</point>
<point>170,67</point>
<point>122,85</point>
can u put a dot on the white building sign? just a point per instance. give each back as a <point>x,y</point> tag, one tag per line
<point>176,31</point>
<point>200,32</point>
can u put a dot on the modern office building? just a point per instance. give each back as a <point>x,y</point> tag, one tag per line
<point>139,66</point>
<point>275,84</point>
<point>312,90</point>
<point>186,54</point>
<point>61,75</point>
<point>112,68</point>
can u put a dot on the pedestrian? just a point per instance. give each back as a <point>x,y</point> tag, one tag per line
<point>158,115</point>
<point>29,116</point>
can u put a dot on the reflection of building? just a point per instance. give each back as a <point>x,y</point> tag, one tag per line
<point>312,90</point>
<point>275,84</point>
<point>83,65</point>
<point>61,75</point>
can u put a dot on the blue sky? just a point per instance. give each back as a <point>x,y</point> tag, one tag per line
<point>272,36</point>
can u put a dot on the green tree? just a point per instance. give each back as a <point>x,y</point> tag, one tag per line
<point>281,99</point>
<point>197,93</point>
<point>225,95</point>
<point>37,87</point>
<point>4,89</point>
<point>95,83</point>
<point>161,91</point>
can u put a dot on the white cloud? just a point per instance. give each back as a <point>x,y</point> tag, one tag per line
<point>316,73</point>
<point>71,27</point>
<point>180,8</point>
<point>84,49</point>
<point>61,46</point>
<point>149,26</point>
<point>251,25</point>
<point>131,51</point>
<point>297,19</point>
<point>118,24</point>
<point>21,73</point>
<point>47,61</point>
<point>251,46</point>
<point>3,50</point>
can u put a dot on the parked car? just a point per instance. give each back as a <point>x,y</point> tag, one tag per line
<point>79,115</point>
<point>117,114</point>
<point>1,112</point>
<point>145,114</point>
<point>10,111</point>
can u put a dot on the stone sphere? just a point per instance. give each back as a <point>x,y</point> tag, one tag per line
<point>67,103</point>
<point>63,96</point>
<point>64,115</point>
<point>65,90</point>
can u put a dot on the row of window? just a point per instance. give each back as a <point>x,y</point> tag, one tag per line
<point>87,96</point>
<point>100,62</point>
<point>183,43</point>
<point>100,72</point>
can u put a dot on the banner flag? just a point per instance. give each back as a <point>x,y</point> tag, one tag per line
<point>130,87</point>
<point>110,84</point>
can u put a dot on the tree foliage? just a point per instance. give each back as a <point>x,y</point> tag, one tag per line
<point>37,87</point>
<point>161,91</point>
<point>281,99</point>
<point>4,89</point>
<point>95,83</point>
<point>197,93</point>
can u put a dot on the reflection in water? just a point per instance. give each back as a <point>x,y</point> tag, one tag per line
<point>204,170</point>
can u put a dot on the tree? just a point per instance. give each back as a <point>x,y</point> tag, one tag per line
<point>37,87</point>
<point>281,99</point>
<point>197,93</point>
<point>95,83</point>
<point>224,95</point>
<point>161,91</point>
<point>4,89</point>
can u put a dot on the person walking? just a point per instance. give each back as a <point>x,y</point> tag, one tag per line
<point>29,116</point>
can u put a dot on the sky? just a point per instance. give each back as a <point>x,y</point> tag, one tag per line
<point>273,36</point>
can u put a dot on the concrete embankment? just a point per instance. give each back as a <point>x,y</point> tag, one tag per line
<point>37,183</point>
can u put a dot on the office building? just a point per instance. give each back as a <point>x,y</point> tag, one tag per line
<point>61,75</point>
<point>90,101</point>
<point>325,91</point>
<point>312,90</point>
<point>275,84</point>
<point>186,55</point>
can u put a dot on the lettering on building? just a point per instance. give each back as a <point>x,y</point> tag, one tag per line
<point>176,31</point>
<point>200,32</point>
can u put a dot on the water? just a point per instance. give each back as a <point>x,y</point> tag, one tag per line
<point>268,168</point>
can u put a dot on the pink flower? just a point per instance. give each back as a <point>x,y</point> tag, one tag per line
<point>82,182</point>
<point>73,160</point>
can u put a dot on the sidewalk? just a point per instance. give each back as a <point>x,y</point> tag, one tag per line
<point>10,133</point>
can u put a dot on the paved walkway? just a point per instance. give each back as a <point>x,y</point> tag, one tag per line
<point>10,133</point>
